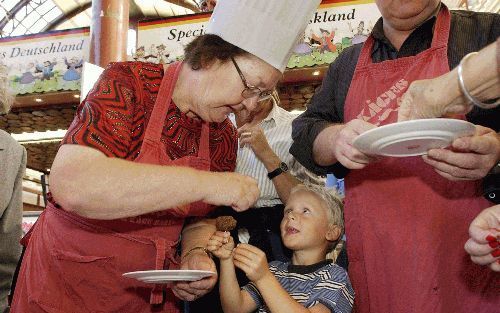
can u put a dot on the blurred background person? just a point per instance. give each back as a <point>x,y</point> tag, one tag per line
<point>12,169</point>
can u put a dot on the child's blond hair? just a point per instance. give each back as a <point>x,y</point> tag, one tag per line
<point>332,201</point>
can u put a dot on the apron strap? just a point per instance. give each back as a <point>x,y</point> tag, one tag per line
<point>164,251</point>
<point>157,292</point>
<point>442,28</point>
<point>439,39</point>
<point>160,109</point>
<point>162,103</point>
<point>204,151</point>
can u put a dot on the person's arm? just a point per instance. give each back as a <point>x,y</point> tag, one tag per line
<point>193,256</point>
<point>85,181</point>
<point>254,137</point>
<point>233,299</point>
<point>316,131</point>
<point>443,96</point>
<point>253,262</point>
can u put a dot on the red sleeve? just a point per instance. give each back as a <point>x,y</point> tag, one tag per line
<point>104,120</point>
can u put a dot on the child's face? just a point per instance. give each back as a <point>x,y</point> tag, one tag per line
<point>306,224</point>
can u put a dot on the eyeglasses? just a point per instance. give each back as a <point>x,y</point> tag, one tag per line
<point>251,91</point>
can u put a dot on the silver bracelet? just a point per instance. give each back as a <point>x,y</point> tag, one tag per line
<point>466,93</point>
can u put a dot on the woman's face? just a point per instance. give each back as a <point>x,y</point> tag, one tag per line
<point>406,15</point>
<point>221,94</point>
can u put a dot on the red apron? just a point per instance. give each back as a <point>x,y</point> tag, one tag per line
<point>406,225</point>
<point>73,264</point>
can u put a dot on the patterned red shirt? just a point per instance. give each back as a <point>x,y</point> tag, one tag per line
<point>115,114</point>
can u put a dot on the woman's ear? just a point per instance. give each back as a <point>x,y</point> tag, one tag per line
<point>333,232</point>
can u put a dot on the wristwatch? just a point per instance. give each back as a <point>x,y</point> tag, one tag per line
<point>281,169</point>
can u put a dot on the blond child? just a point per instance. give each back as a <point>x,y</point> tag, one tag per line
<point>311,225</point>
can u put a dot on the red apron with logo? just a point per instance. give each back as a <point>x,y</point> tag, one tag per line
<point>73,264</point>
<point>406,225</point>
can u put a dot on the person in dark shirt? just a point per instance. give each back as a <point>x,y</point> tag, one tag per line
<point>406,218</point>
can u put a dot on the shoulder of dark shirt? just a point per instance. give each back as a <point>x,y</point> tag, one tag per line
<point>346,60</point>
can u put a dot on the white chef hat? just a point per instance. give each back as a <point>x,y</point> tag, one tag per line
<point>268,29</point>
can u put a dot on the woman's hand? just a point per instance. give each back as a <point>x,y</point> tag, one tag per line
<point>221,245</point>
<point>252,261</point>
<point>230,189</point>
<point>190,291</point>
<point>484,243</point>
<point>470,158</point>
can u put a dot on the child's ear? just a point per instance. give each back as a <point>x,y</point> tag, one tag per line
<point>333,232</point>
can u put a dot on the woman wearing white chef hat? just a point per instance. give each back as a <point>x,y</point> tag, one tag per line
<point>148,148</point>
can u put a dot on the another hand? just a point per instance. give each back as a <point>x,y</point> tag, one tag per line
<point>231,189</point>
<point>430,98</point>
<point>190,291</point>
<point>221,245</point>
<point>252,261</point>
<point>470,158</point>
<point>254,137</point>
<point>484,243</point>
<point>344,151</point>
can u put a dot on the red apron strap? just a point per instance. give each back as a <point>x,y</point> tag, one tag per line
<point>162,103</point>
<point>442,28</point>
<point>365,56</point>
<point>164,250</point>
<point>440,38</point>
<point>204,151</point>
<point>157,292</point>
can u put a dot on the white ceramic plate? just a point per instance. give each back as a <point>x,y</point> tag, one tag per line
<point>412,138</point>
<point>166,276</point>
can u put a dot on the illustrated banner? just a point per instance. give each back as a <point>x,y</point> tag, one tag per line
<point>335,26</point>
<point>45,62</point>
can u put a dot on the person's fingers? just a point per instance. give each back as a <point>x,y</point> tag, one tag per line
<point>495,266</point>
<point>405,108</point>
<point>201,285</point>
<point>250,249</point>
<point>476,144</point>
<point>456,159</point>
<point>479,234</point>
<point>485,259</point>
<point>451,171</point>
<point>183,295</point>
<point>347,162</point>
<point>242,266</point>
<point>476,249</point>
<point>242,256</point>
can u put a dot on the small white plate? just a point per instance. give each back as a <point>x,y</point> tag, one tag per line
<point>411,138</point>
<point>166,276</point>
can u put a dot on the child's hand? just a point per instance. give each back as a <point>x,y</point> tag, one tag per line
<point>252,261</point>
<point>221,244</point>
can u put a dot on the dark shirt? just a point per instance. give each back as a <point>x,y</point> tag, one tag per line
<point>470,31</point>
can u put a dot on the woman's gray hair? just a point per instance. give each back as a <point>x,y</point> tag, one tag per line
<point>6,98</point>
<point>332,201</point>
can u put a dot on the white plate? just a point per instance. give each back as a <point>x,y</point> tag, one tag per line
<point>412,138</point>
<point>166,276</point>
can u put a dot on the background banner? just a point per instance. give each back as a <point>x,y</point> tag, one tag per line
<point>45,62</point>
<point>335,26</point>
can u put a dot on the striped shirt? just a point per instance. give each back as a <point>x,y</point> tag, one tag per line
<point>277,127</point>
<point>325,283</point>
